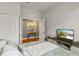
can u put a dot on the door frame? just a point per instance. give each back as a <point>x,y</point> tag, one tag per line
<point>42,23</point>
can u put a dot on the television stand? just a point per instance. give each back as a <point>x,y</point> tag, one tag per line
<point>62,41</point>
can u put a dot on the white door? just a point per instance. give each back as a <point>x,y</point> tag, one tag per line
<point>9,28</point>
<point>42,30</point>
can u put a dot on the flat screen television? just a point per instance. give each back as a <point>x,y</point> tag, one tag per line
<point>65,33</point>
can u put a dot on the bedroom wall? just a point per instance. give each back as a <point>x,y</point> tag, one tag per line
<point>62,15</point>
<point>9,21</point>
<point>27,13</point>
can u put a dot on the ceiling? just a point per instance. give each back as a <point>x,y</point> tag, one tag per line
<point>38,6</point>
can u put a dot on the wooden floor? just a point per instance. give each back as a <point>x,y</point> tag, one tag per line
<point>25,40</point>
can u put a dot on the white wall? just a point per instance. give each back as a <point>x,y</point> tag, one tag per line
<point>12,8</point>
<point>29,13</point>
<point>9,21</point>
<point>62,15</point>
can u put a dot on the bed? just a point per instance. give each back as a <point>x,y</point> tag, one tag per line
<point>46,49</point>
<point>8,48</point>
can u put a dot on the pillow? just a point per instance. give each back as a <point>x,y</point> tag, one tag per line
<point>12,44</point>
<point>9,50</point>
<point>2,44</point>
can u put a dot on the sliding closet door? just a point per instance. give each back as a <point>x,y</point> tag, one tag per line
<point>9,29</point>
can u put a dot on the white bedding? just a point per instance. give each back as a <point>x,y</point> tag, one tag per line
<point>9,50</point>
<point>40,49</point>
<point>34,49</point>
<point>2,44</point>
<point>46,49</point>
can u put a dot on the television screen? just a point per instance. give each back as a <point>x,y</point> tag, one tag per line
<point>65,33</point>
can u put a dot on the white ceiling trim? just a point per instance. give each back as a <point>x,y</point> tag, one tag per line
<point>38,6</point>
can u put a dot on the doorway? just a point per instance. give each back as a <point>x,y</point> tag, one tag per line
<point>30,30</point>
